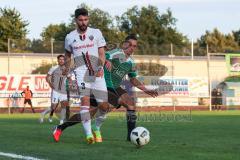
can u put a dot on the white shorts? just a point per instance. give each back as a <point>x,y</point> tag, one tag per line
<point>58,97</point>
<point>88,85</point>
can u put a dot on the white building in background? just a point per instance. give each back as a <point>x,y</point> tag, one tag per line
<point>177,66</point>
<point>194,70</point>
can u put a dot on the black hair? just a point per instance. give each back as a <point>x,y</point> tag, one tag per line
<point>59,56</point>
<point>81,12</point>
<point>131,36</point>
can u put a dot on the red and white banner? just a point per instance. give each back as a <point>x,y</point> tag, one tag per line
<point>11,87</point>
<point>10,84</point>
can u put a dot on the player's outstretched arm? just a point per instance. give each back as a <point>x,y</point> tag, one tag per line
<point>67,62</point>
<point>142,87</point>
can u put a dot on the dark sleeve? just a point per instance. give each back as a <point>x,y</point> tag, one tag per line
<point>31,92</point>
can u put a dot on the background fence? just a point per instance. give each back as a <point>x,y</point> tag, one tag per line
<point>166,62</point>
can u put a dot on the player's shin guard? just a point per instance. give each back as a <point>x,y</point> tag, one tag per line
<point>63,115</point>
<point>100,117</point>
<point>131,122</point>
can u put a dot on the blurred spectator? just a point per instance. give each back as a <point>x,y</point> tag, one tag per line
<point>218,99</point>
<point>15,97</point>
<point>213,100</point>
<point>27,98</point>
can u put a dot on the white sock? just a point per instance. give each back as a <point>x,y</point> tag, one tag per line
<point>63,114</point>
<point>86,120</point>
<point>100,117</point>
<point>46,111</point>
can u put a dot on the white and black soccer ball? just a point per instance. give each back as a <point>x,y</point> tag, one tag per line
<point>140,136</point>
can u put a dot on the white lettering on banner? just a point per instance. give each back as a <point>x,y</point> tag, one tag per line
<point>167,101</point>
<point>12,85</point>
<point>17,83</point>
<point>41,84</point>
<point>177,86</point>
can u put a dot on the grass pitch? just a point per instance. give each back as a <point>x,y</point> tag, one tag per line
<point>174,136</point>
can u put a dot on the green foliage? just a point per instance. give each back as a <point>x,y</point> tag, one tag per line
<point>102,20</point>
<point>236,35</point>
<point>235,78</point>
<point>43,69</point>
<point>37,46</point>
<point>155,30</point>
<point>12,26</point>
<point>57,33</point>
<point>218,42</point>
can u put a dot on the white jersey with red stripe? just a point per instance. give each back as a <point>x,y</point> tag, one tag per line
<point>84,48</point>
<point>59,93</point>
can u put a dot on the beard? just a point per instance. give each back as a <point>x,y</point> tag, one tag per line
<point>82,28</point>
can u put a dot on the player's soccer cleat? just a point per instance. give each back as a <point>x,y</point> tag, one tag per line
<point>41,120</point>
<point>90,139</point>
<point>97,136</point>
<point>50,120</point>
<point>56,134</point>
<point>61,122</point>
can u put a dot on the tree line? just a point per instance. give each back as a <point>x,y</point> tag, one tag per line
<point>155,30</point>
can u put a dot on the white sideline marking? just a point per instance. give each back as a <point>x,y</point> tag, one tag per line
<point>12,155</point>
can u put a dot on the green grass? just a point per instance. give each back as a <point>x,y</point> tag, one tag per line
<point>203,136</point>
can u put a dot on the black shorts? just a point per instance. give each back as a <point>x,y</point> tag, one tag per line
<point>113,97</point>
<point>28,101</point>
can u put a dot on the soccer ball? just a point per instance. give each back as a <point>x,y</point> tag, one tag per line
<point>140,136</point>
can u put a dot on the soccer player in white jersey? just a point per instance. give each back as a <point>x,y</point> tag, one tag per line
<point>87,47</point>
<point>57,81</point>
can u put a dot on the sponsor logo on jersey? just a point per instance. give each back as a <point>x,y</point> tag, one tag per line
<point>91,37</point>
<point>120,73</point>
<point>90,45</point>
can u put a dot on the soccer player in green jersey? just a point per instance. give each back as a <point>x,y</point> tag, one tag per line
<point>119,63</point>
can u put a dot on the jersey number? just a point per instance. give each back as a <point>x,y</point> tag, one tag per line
<point>83,85</point>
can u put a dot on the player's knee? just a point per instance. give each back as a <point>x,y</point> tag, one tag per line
<point>126,100</point>
<point>104,106</point>
<point>64,104</point>
<point>85,101</point>
<point>85,115</point>
<point>131,107</point>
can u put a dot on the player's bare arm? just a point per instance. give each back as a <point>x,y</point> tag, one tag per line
<point>101,53</point>
<point>142,87</point>
<point>48,79</point>
<point>67,62</point>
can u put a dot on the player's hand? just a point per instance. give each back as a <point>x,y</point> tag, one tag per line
<point>100,72</point>
<point>108,65</point>
<point>152,93</point>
